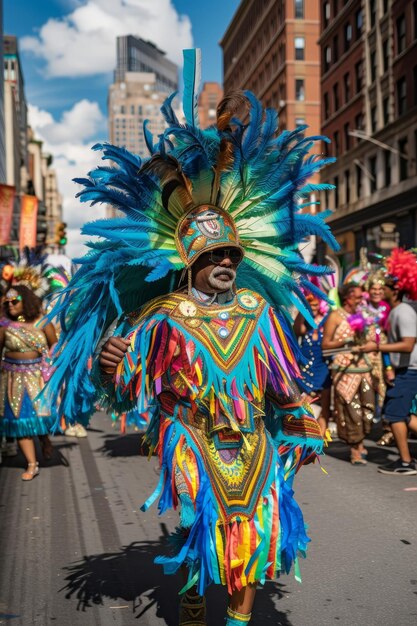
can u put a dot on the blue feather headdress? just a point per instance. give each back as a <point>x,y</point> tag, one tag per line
<point>255,179</point>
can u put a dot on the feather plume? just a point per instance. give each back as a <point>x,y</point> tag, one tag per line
<point>192,84</point>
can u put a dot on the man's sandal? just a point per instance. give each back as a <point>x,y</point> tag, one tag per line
<point>31,472</point>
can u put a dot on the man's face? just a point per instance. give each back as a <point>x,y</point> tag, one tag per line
<point>389,293</point>
<point>215,271</point>
<point>354,298</point>
<point>376,293</point>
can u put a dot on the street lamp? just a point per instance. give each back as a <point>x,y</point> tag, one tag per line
<point>359,134</point>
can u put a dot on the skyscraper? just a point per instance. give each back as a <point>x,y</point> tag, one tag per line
<point>143,80</point>
<point>136,55</point>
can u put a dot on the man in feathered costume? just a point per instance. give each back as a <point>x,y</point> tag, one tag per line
<point>211,366</point>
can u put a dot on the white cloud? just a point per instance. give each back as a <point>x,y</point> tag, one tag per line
<point>83,42</point>
<point>69,140</point>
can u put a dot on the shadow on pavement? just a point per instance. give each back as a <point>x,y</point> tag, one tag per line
<point>130,575</point>
<point>125,445</point>
<point>58,458</point>
<point>377,455</point>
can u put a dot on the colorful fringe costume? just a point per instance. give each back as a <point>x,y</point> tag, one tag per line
<point>215,381</point>
<point>22,413</point>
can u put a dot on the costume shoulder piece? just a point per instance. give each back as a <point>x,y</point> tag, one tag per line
<point>238,183</point>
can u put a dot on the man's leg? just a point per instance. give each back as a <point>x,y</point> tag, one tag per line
<point>400,432</point>
<point>240,606</point>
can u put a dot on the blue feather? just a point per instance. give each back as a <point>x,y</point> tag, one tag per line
<point>192,83</point>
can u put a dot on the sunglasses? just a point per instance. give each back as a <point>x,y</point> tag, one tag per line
<point>14,301</point>
<point>219,254</point>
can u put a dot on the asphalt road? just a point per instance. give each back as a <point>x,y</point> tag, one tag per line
<point>75,550</point>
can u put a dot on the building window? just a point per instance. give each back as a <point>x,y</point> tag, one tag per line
<point>403,150</point>
<point>347,186</point>
<point>359,125</point>
<point>335,96</point>
<point>347,136</point>
<point>387,168</point>
<point>327,58</point>
<point>372,12</point>
<point>326,105</point>
<point>348,36</point>
<point>385,110</point>
<point>299,121</point>
<point>358,23</point>
<point>374,122</point>
<point>372,59</point>
<point>336,191</point>
<point>385,55</point>
<point>299,48</point>
<point>346,87</point>
<point>402,96</point>
<point>299,89</point>
<point>401,34</point>
<point>372,174</point>
<point>336,143</point>
<point>335,48</point>
<point>299,9</point>
<point>359,76</point>
<point>326,14</point>
<point>359,177</point>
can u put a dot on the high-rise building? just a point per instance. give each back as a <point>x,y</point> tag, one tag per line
<point>137,94</point>
<point>136,55</point>
<point>13,75</point>
<point>209,98</point>
<point>271,49</point>
<point>2,126</point>
<point>130,103</point>
<point>369,111</point>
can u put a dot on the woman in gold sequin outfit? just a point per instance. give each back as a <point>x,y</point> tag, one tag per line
<point>24,347</point>
<point>354,395</point>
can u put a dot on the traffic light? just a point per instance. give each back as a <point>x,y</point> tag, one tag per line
<point>60,234</point>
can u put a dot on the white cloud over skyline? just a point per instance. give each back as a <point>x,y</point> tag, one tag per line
<point>83,43</point>
<point>69,140</point>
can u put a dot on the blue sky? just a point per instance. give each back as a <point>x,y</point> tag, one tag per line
<point>209,20</point>
<point>67,50</point>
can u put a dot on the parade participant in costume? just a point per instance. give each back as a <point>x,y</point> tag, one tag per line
<point>351,372</point>
<point>375,311</point>
<point>25,345</point>
<point>212,366</point>
<point>317,380</point>
<point>399,406</point>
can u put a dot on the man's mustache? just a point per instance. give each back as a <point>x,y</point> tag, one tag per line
<point>218,271</point>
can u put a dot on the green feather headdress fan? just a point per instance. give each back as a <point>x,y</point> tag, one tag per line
<point>237,182</point>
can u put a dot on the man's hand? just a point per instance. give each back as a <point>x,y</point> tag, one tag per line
<point>112,353</point>
<point>390,376</point>
<point>369,346</point>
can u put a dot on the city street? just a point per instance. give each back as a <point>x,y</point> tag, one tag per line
<point>76,550</point>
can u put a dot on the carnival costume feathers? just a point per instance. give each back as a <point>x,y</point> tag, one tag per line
<point>216,381</point>
<point>402,266</point>
<point>254,180</point>
<point>31,268</point>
